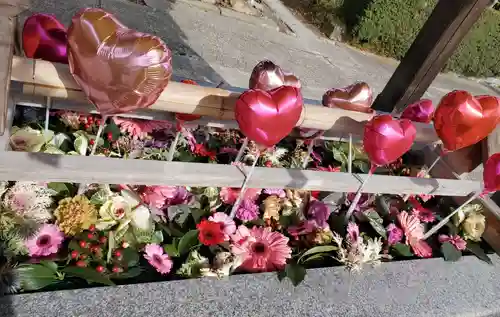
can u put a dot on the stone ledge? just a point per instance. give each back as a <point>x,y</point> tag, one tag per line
<point>408,288</point>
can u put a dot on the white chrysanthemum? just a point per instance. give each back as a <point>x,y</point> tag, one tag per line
<point>30,201</point>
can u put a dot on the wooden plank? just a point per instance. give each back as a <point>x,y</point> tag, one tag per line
<point>54,80</point>
<point>23,166</point>
<point>437,40</point>
<point>7,28</point>
<point>11,8</point>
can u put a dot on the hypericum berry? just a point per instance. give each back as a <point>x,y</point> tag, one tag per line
<point>90,119</point>
<point>269,164</point>
<point>117,269</point>
<point>74,254</point>
<point>98,122</point>
<point>83,244</point>
<point>94,249</point>
<point>125,245</point>
<point>109,135</point>
<point>99,268</point>
<point>81,264</point>
<point>90,235</point>
<point>118,253</point>
<point>83,256</point>
<point>91,141</point>
<point>92,228</point>
<point>103,240</point>
<point>86,126</point>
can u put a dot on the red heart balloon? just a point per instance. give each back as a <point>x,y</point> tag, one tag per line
<point>119,69</point>
<point>491,174</point>
<point>266,117</point>
<point>44,37</point>
<point>266,75</point>
<point>386,139</point>
<point>420,111</point>
<point>461,119</point>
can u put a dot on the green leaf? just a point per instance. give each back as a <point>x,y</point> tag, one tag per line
<point>402,249</point>
<point>88,274</point>
<point>35,276</point>
<point>50,265</point>
<point>450,253</point>
<point>171,250</point>
<point>382,205</point>
<point>171,230</point>
<point>362,166</point>
<point>100,197</point>
<point>111,245</point>
<point>198,213</point>
<point>281,275</point>
<point>296,273</point>
<point>130,273</point>
<point>113,128</point>
<point>376,222</point>
<point>339,156</point>
<point>81,144</point>
<point>130,257</point>
<point>157,237</point>
<point>178,213</point>
<point>476,249</point>
<point>60,188</point>
<point>318,249</point>
<point>189,240</point>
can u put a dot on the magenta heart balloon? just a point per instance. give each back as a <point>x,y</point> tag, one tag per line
<point>266,117</point>
<point>491,174</point>
<point>45,37</point>
<point>386,139</point>
<point>420,111</point>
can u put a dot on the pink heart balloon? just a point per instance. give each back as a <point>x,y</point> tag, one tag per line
<point>386,138</point>
<point>491,174</point>
<point>266,117</point>
<point>420,111</point>
<point>266,75</point>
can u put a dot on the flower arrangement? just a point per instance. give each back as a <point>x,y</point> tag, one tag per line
<point>53,237</point>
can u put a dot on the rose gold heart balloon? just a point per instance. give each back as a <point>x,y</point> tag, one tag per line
<point>266,117</point>
<point>119,69</point>
<point>461,119</point>
<point>356,97</point>
<point>266,76</point>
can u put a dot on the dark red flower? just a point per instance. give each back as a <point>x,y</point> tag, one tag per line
<point>201,150</point>
<point>210,232</point>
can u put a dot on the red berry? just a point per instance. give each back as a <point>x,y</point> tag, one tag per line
<point>118,253</point>
<point>269,164</point>
<point>81,264</point>
<point>125,245</point>
<point>109,136</point>
<point>86,126</point>
<point>91,141</point>
<point>99,268</point>
<point>90,236</point>
<point>94,249</point>
<point>98,122</point>
<point>83,244</point>
<point>92,228</point>
<point>74,254</point>
<point>117,269</point>
<point>83,257</point>
<point>103,239</point>
<point>90,118</point>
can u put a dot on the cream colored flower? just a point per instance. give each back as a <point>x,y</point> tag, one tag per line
<point>28,139</point>
<point>474,225</point>
<point>30,201</point>
<point>112,211</point>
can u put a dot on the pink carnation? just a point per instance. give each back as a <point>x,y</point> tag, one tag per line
<point>248,210</point>
<point>159,260</point>
<point>456,240</point>
<point>226,222</point>
<point>229,195</point>
<point>414,232</point>
<point>46,241</point>
<point>263,251</point>
<point>138,128</point>
<point>395,235</point>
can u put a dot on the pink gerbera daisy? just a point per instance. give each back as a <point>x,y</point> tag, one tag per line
<point>46,241</point>
<point>159,260</point>
<point>226,222</point>
<point>138,128</point>
<point>414,232</point>
<point>263,251</point>
<point>229,195</point>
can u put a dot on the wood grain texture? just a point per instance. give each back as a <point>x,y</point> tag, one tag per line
<point>55,80</point>
<point>7,28</point>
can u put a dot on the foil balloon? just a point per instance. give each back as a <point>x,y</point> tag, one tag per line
<point>266,76</point>
<point>119,69</point>
<point>356,97</point>
<point>266,117</point>
<point>491,174</point>
<point>461,119</point>
<point>420,111</point>
<point>187,116</point>
<point>386,139</point>
<point>44,37</point>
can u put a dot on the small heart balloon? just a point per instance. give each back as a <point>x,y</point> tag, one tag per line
<point>119,69</point>
<point>491,174</point>
<point>44,37</point>
<point>266,76</point>
<point>267,117</point>
<point>356,97</point>
<point>420,111</point>
<point>386,139</point>
<point>461,119</point>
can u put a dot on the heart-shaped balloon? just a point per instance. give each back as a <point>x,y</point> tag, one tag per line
<point>386,139</point>
<point>119,69</point>
<point>356,97</point>
<point>420,111</point>
<point>491,174</point>
<point>44,37</point>
<point>266,76</point>
<point>266,117</point>
<point>461,119</point>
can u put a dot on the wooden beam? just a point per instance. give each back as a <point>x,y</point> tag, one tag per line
<point>7,38</point>
<point>435,43</point>
<point>54,80</point>
<point>22,166</point>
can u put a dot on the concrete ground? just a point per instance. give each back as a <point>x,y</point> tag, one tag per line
<point>212,44</point>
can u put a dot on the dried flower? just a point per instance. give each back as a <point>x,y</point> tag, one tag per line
<point>263,251</point>
<point>395,235</point>
<point>248,210</point>
<point>193,265</point>
<point>30,201</point>
<point>414,232</point>
<point>69,118</point>
<point>138,128</point>
<point>210,233</point>
<point>224,264</point>
<point>227,223</point>
<point>229,195</point>
<point>159,260</point>
<point>272,207</point>
<point>46,241</point>
<point>28,139</point>
<point>75,215</point>
<point>456,240</point>
<point>323,236</point>
<point>474,226</point>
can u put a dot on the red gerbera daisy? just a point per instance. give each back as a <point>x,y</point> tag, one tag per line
<point>210,232</point>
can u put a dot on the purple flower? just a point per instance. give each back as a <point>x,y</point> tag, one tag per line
<point>182,196</point>
<point>304,227</point>
<point>275,191</point>
<point>247,210</point>
<point>319,212</point>
<point>395,234</point>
